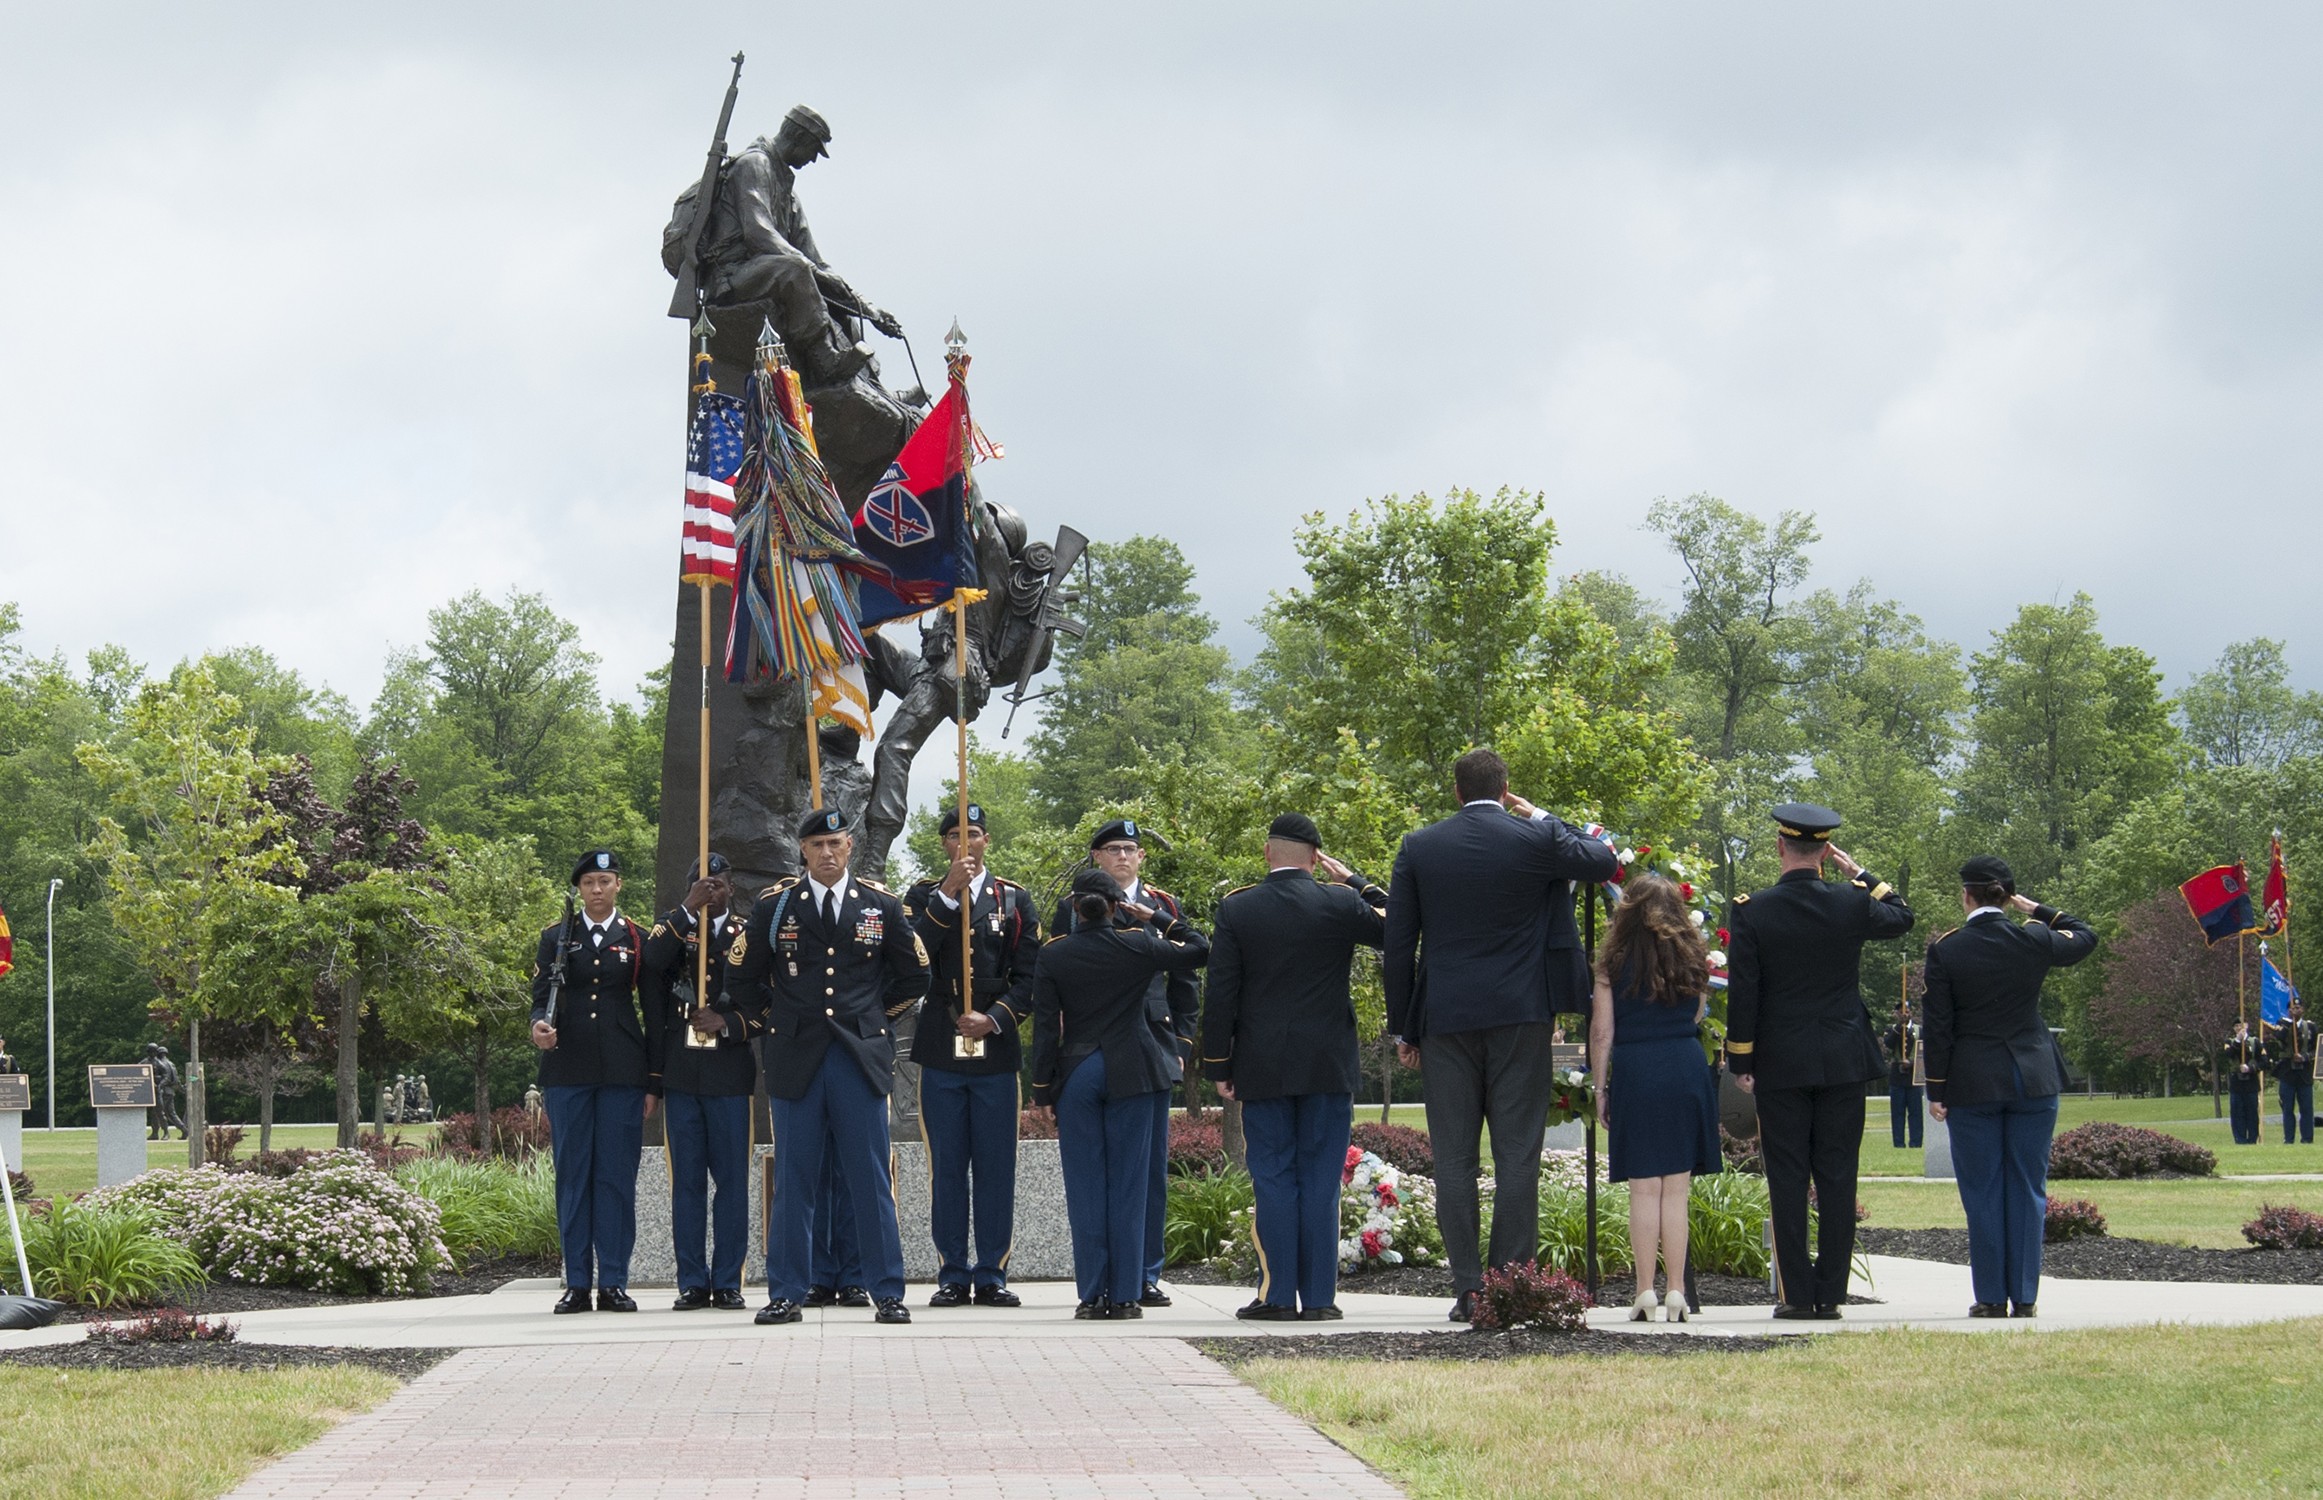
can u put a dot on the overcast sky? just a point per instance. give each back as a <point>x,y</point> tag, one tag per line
<point>313,317</point>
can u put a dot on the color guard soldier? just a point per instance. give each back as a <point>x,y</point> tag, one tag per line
<point>1902,1042</point>
<point>700,1063</point>
<point>1278,1033</point>
<point>593,1076</point>
<point>2291,1058</point>
<point>1173,1007</point>
<point>833,960</point>
<point>2243,1057</point>
<point>968,1056</point>
<point>1799,1038</point>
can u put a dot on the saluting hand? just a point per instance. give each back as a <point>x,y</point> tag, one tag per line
<point>2024,903</point>
<point>1846,862</point>
<point>1334,868</point>
<point>1517,805</point>
<point>1141,913</point>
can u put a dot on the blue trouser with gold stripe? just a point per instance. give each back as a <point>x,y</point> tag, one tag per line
<point>1297,1148</point>
<point>596,1133</point>
<point>1106,1148</point>
<point>842,1109</point>
<point>968,1121</point>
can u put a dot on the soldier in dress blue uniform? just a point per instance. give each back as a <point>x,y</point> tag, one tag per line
<point>2291,1058</point>
<point>592,1077</point>
<point>1278,1033</point>
<point>1799,1038</point>
<point>699,1062</point>
<point>1173,1009</point>
<point>969,1105</point>
<point>2244,1059</point>
<point>1097,1063</point>
<point>834,961</point>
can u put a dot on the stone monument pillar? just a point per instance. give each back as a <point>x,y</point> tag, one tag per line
<point>121,1094</point>
<point>15,1099</point>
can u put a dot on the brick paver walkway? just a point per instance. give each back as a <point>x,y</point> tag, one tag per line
<point>772,1417</point>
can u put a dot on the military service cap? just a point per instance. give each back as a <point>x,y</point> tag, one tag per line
<point>596,859</point>
<point>951,818</point>
<point>1120,830</point>
<point>821,821</point>
<point>813,124</point>
<point>719,865</point>
<point>1298,828</point>
<point>1095,882</point>
<point>1804,820</point>
<point>1989,869</point>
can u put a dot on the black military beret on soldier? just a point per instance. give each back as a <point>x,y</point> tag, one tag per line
<point>1804,820</point>
<point>596,859</point>
<point>1298,828</point>
<point>1120,830</point>
<point>1095,882</point>
<point>951,818</point>
<point>822,821</point>
<point>719,865</point>
<point>1989,869</point>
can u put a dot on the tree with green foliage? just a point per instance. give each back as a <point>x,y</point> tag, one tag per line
<point>1017,818</point>
<point>496,903</point>
<point>2244,712</point>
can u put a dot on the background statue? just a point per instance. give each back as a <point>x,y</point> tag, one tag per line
<point>164,1113</point>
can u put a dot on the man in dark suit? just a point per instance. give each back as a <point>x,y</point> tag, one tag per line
<point>833,960</point>
<point>1278,1033</point>
<point>592,1077</point>
<point>1482,956</point>
<point>968,1051</point>
<point>699,1063</point>
<point>2291,1058</point>
<point>1799,1038</point>
<point>1994,1074</point>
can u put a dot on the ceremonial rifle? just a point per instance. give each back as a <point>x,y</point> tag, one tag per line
<point>1048,618</point>
<point>556,968</point>
<point>685,300</point>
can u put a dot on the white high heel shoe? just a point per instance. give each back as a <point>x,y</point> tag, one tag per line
<point>1674,1310</point>
<point>1642,1310</point>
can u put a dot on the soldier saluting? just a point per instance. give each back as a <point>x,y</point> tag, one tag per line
<point>969,1051</point>
<point>1799,1038</point>
<point>592,1075</point>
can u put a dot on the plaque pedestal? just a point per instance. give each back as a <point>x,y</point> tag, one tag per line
<point>120,1144</point>
<point>15,1099</point>
<point>1936,1138</point>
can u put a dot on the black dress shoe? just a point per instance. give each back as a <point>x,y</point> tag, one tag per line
<point>1092,1311</point>
<point>1464,1307</point>
<point>1791,1314</point>
<point>997,1296</point>
<point>575,1299</point>
<point>1117,1311</point>
<point>892,1310</point>
<point>820,1296</point>
<point>1826,1312</point>
<point>1320,1315</point>
<point>728,1299</point>
<point>2021,1309</point>
<point>691,1299</point>
<point>950,1294</point>
<point>1153,1296</point>
<point>780,1310</point>
<point>1987,1310</point>
<point>613,1299</point>
<point>1266,1312</point>
<point>854,1296</point>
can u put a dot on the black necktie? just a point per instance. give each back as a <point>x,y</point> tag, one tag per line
<point>597,936</point>
<point>830,909</point>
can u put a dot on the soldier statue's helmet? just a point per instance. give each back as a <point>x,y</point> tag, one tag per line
<point>1120,830</point>
<point>951,818</point>
<point>719,865</point>
<point>813,124</point>
<point>1806,821</point>
<point>822,821</point>
<point>596,859</point>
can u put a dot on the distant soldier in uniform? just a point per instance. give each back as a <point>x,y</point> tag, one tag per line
<point>1173,1004</point>
<point>699,1062</point>
<point>969,1105</point>
<point>834,961</point>
<point>1903,1095</point>
<point>1278,1033</point>
<point>7,1058</point>
<point>1995,1074</point>
<point>2291,1058</point>
<point>592,1075</point>
<point>2243,1057</point>
<point>1799,1038</point>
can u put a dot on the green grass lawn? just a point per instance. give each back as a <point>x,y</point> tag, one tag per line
<point>66,1161</point>
<point>2186,1117</point>
<point>2209,1214</point>
<point>164,1434</point>
<point>2153,1412</point>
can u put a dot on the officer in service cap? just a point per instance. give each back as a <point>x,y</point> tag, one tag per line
<point>968,1049</point>
<point>834,962</point>
<point>593,1080</point>
<point>1798,1037</point>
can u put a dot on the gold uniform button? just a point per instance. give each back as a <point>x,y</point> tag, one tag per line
<point>830,971</point>
<point>828,1011</point>
<point>829,991</point>
<point>830,950</point>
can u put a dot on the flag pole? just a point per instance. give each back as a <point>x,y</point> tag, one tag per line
<point>705,386</point>
<point>956,368</point>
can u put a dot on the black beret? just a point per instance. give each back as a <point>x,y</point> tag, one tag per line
<point>596,859</point>
<point>1095,882</point>
<point>1118,830</point>
<point>822,821</point>
<point>1804,820</point>
<point>951,818</point>
<point>719,865</point>
<point>1298,828</point>
<point>1988,869</point>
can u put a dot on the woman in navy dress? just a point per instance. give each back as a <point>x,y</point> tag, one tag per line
<point>1653,1081</point>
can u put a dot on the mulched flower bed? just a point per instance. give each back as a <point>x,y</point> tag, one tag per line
<point>1472,1344</point>
<point>2105,1258</point>
<point>404,1364</point>
<point>1436,1281</point>
<point>233,1297</point>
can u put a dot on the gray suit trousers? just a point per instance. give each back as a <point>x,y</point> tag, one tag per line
<point>1501,1075</point>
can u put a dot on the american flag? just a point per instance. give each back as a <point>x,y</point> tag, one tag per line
<point>713,458</point>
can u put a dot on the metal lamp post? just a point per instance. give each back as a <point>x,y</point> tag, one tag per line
<point>53,886</point>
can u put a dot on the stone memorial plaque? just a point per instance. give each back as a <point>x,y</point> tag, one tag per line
<point>1566,1056</point>
<point>121,1085</point>
<point>15,1092</point>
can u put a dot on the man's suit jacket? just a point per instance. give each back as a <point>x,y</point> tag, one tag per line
<point>1279,1020</point>
<point>1480,922</point>
<point>1982,1024</point>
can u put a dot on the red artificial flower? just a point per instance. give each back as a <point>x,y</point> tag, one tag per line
<point>1386,1194</point>
<point>1685,891</point>
<point>1725,938</point>
<point>1644,849</point>
<point>1354,1159</point>
<point>1372,1244</point>
<point>1620,873</point>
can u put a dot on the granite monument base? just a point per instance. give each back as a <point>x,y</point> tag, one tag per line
<point>12,1138</point>
<point>120,1145</point>
<point>1936,1139</point>
<point>1042,1249</point>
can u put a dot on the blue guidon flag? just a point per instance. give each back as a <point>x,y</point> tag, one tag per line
<point>2220,900</point>
<point>914,523</point>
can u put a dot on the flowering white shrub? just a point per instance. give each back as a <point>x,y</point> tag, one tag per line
<point>337,1224</point>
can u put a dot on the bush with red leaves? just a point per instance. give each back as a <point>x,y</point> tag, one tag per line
<point>1197,1147</point>
<point>2105,1150</point>
<point>163,1325</point>
<point>1400,1146</point>
<point>2072,1219</point>
<point>516,1134</point>
<point>2282,1227</point>
<point>1529,1296</point>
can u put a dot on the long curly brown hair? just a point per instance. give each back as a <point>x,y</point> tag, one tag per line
<point>1655,944</point>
